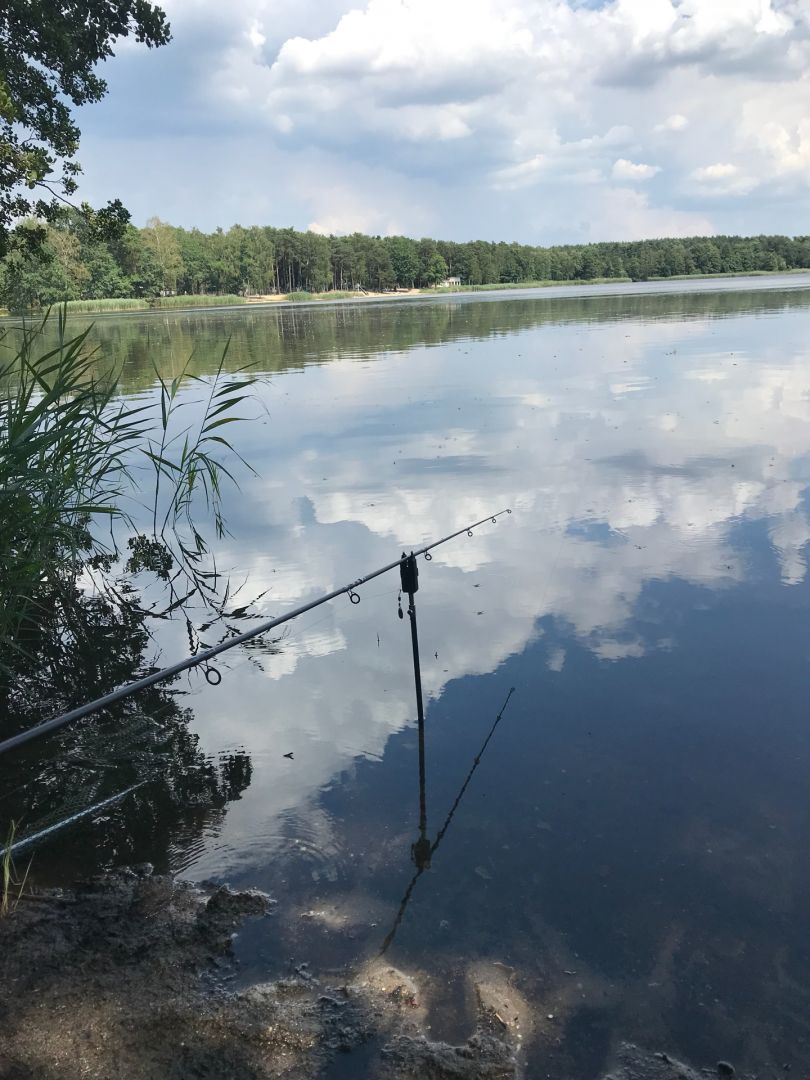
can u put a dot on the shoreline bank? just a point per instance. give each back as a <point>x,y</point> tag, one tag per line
<point>134,975</point>
<point>199,303</point>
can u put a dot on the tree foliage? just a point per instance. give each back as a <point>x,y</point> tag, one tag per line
<point>48,55</point>
<point>74,262</point>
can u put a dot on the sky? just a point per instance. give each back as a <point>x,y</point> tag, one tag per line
<point>541,121</point>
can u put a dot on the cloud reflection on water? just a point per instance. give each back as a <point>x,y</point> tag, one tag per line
<point>631,452</point>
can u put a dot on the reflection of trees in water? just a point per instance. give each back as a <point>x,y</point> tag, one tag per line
<point>279,339</point>
<point>86,647</point>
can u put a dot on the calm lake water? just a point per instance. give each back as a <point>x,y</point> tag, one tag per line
<point>633,843</point>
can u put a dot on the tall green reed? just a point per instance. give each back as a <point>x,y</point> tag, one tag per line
<point>158,303</point>
<point>70,448</point>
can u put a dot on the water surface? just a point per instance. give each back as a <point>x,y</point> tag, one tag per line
<point>633,840</point>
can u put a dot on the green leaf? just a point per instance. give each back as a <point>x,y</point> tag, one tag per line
<point>223,420</point>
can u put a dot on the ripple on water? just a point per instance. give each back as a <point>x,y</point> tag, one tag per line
<point>293,850</point>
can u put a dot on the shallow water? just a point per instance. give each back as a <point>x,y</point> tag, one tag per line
<point>632,841</point>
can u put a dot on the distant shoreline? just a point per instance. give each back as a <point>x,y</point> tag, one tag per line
<point>197,302</point>
<point>513,286</point>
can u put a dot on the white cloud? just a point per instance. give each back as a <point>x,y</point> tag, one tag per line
<point>467,96</point>
<point>631,170</point>
<point>422,71</point>
<point>524,174</point>
<point>723,178</point>
<point>779,128</point>
<point>624,214</point>
<point>569,161</point>
<point>716,172</point>
<point>676,122</point>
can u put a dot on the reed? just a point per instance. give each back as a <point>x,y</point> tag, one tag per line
<point>11,887</point>
<point>206,300</point>
<point>333,294</point>
<point>116,303</point>
<point>64,439</point>
<point>159,303</point>
<point>69,446</point>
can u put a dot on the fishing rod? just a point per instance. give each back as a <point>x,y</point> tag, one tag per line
<point>213,676</point>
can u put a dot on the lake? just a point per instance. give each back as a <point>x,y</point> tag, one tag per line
<point>631,842</point>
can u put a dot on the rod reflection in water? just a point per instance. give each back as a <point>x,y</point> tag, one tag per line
<point>422,851</point>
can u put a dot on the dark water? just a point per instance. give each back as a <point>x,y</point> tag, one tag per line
<point>633,841</point>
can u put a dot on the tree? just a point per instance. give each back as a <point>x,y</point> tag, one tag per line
<point>195,253</point>
<point>314,263</point>
<point>48,52</point>
<point>138,263</point>
<point>50,275</point>
<point>342,260</point>
<point>436,269</point>
<point>160,239</point>
<point>404,259</point>
<point>104,275</point>
<point>76,263</point>
<point>426,250</point>
<point>378,266</point>
<point>591,266</point>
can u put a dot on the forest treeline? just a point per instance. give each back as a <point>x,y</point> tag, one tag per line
<point>164,260</point>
